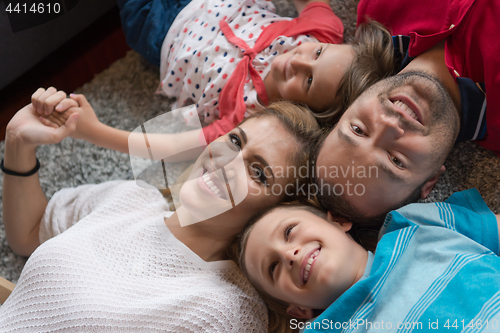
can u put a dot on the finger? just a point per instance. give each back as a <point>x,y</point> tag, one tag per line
<point>60,118</point>
<point>53,100</point>
<point>47,122</point>
<point>68,128</point>
<point>65,104</point>
<point>41,100</point>
<point>58,121</point>
<point>35,100</point>
<point>82,101</point>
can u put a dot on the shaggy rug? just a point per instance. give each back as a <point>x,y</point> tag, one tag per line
<point>123,97</point>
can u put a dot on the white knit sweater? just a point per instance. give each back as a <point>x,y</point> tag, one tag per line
<point>119,269</point>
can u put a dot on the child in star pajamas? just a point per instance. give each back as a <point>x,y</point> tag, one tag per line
<point>223,60</point>
<point>434,262</point>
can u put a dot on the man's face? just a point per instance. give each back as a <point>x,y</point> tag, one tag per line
<point>391,140</point>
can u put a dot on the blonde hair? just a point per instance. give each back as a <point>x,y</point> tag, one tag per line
<point>373,60</point>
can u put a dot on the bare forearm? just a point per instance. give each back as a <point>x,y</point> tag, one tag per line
<point>174,147</point>
<point>23,199</point>
<point>111,138</point>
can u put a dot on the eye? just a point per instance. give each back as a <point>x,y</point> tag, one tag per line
<point>396,161</point>
<point>309,81</point>
<point>272,268</point>
<point>288,230</point>
<point>318,52</point>
<point>357,130</point>
<point>234,139</point>
<point>258,174</point>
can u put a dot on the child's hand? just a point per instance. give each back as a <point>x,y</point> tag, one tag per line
<point>46,101</point>
<point>88,123</point>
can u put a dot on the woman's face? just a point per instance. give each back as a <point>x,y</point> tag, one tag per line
<point>240,173</point>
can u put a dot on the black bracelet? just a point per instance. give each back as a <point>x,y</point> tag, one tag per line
<point>14,173</point>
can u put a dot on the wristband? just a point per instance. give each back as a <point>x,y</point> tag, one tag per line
<point>14,173</point>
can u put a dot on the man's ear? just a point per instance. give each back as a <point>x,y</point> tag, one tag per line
<point>345,224</point>
<point>429,185</point>
<point>299,312</point>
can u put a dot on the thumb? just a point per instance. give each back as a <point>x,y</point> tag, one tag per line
<point>68,127</point>
<point>82,101</point>
<point>71,122</point>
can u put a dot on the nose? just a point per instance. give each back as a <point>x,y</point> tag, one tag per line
<point>290,257</point>
<point>299,63</point>
<point>389,129</point>
<point>221,156</point>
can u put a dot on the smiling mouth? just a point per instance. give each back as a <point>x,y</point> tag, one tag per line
<point>310,261</point>
<point>211,185</point>
<point>408,110</point>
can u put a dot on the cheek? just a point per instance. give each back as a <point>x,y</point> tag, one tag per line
<point>259,197</point>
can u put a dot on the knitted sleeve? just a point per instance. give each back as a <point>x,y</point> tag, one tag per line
<point>70,205</point>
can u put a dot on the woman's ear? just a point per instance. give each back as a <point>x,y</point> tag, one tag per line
<point>299,312</point>
<point>345,224</point>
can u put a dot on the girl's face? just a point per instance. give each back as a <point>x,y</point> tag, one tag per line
<point>302,259</point>
<point>240,173</point>
<point>309,74</point>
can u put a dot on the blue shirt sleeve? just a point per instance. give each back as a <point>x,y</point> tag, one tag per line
<point>464,212</point>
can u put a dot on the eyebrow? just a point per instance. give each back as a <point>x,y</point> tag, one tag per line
<point>258,157</point>
<point>266,262</point>
<point>347,138</point>
<point>392,175</point>
<point>243,134</point>
<point>323,50</point>
<point>266,165</point>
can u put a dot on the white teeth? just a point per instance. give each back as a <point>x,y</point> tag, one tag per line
<point>311,259</point>
<point>406,109</point>
<point>211,185</point>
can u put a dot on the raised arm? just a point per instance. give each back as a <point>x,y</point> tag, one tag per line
<point>23,199</point>
<point>301,4</point>
<point>89,128</point>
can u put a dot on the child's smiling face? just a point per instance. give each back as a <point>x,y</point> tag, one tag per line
<point>302,259</point>
<point>309,74</point>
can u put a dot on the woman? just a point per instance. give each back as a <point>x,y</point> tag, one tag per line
<point>128,265</point>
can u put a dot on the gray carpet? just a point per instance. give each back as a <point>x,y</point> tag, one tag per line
<point>123,97</point>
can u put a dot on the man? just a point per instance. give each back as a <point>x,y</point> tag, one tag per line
<point>389,147</point>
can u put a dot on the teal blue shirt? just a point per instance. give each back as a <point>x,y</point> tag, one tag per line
<point>436,269</point>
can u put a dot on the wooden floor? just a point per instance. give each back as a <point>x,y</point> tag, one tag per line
<point>69,67</point>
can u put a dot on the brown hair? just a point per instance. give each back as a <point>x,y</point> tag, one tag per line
<point>373,60</point>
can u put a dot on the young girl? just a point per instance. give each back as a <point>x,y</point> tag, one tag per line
<point>423,271</point>
<point>113,258</point>
<point>224,60</point>
<point>371,42</point>
<point>221,56</point>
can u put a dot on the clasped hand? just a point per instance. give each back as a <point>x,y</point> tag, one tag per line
<point>51,117</point>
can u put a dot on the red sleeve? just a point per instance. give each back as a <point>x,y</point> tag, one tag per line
<point>218,128</point>
<point>325,25</point>
<point>317,19</point>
